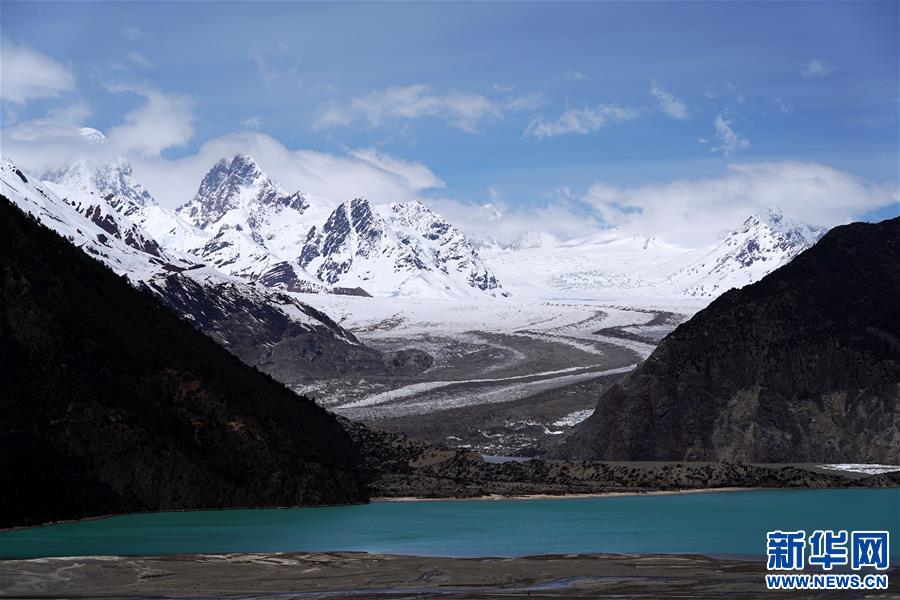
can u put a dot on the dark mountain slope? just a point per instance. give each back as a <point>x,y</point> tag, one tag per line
<point>803,365</point>
<point>111,403</point>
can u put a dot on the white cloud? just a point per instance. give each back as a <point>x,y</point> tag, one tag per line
<point>26,75</point>
<point>333,116</point>
<point>668,103</point>
<point>580,120</point>
<point>131,32</point>
<point>729,140</point>
<point>414,175</point>
<point>576,75</point>
<point>501,222</point>
<point>335,177</point>
<point>524,102</point>
<point>782,106</point>
<point>693,212</point>
<point>253,122</point>
<point>163,121</point>
<point>58,122</point>
<point>139,59</point>
<point>463,110</point>
<point>816,69</point>
<point>279,66</point>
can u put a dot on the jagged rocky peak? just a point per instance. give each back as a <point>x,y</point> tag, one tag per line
<point>450,248</point>
<point>769,236</point>
<point>761,244</point>
<point>398,248</point>
<point>353,230</point>
<point>790,231</point>
<point>359,216</point>
<point>114,181</point>
<point>238,184</point>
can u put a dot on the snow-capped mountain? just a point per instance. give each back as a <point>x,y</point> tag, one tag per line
<point>398,249</point>
<point>612,264</point>
<point>102,213</point>
<point>88,222</point>
<point>257,231</point>
<point>113,181</point>
<point>245,225</point>
<point>245,218</point>
<point>240,187</point>
<point>263,326</point>
<point>764,242</point>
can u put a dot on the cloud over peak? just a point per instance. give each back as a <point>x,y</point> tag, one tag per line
<point>163,121</point>
<point>693,212</point>
<point>28,75</point>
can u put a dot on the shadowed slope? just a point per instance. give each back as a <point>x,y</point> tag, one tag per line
<point>803,365</point>
<point>111,403</point>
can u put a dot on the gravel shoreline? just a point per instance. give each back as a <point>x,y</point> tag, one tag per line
<point>361,575</point>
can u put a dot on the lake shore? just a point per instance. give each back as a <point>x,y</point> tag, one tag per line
<point>571,496</point>
<point>362,575</point>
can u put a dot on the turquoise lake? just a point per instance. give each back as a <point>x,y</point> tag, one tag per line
<point>725,523</point>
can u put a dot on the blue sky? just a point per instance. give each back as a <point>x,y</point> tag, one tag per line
<point>523,104</point>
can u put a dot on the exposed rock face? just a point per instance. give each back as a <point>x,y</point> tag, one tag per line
<point>101,213</point>
<point>257,231</point>
<point>234,185</point>
<point>803,366</point>
<point>764,242</point>
<point>112,404</point>
<point>244,224</point>
<point>262,325</point>
<point>403,248</point>
<point>114,181</point>
<point>289,340</point>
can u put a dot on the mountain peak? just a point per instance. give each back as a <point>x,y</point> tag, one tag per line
<point>783,225</point>
<point>236,184</point>
<point>772,214</point>
<point>765,241</point>
<point>89,133</point>
<point>112,180</point>
<point>246,168</point>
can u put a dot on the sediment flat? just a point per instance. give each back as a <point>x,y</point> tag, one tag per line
<point>361,575</point>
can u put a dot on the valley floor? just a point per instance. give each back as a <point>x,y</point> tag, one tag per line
<point>510,375</point>
<point>359,575</point>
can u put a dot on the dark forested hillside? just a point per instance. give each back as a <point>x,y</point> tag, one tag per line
<point>110,403</point>
<point>801,366</point>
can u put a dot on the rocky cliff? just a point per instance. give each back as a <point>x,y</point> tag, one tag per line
<point>802,366</point>
<point>112,404</point>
